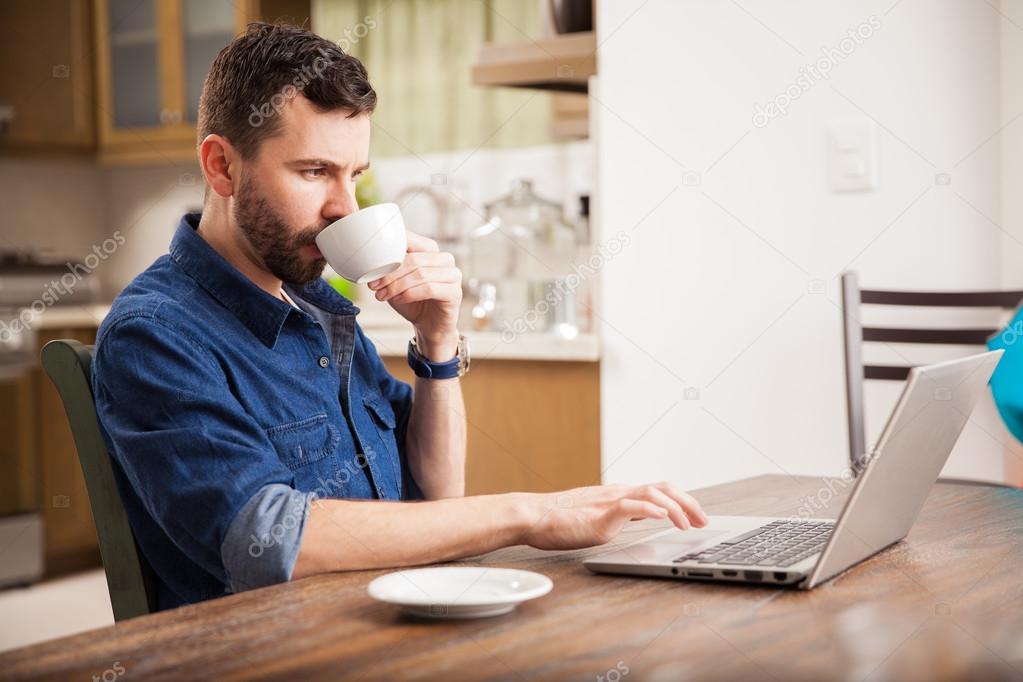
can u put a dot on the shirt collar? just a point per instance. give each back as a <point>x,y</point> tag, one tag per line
<point>263,314</point>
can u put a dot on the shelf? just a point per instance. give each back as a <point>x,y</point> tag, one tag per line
<point>563,63</point>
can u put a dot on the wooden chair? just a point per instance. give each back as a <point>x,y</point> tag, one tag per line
<point>129,577</point>
<point>855,334</point>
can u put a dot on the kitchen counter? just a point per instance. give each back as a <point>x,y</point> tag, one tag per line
<point>389,332</point>
<point>71,316</point>
<point>492,346</point>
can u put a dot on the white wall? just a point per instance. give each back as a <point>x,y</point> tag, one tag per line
<point>1011,136</point>
<point>145,205</point>
<point>720,290</point>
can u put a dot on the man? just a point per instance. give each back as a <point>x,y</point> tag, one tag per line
<point>256,436</point>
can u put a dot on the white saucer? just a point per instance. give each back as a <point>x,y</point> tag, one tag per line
<point>459,591</point>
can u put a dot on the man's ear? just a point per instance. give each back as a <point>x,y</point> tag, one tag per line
<point>218,160</point>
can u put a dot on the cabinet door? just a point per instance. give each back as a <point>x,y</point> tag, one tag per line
<point>46,75</point>
<point>152,58</point>
<point>18,465</point>
<point>133,56</point>
<point>532,425</point>
<point>209,25</point>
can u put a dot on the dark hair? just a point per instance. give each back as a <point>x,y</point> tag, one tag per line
<point>261,70</point>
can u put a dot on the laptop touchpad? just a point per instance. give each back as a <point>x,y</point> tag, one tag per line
<point>675,543</point>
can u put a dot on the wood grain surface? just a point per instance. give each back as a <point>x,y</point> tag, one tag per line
<point>946,603</point>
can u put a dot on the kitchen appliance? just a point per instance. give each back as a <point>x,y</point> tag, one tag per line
<point>28,276</point>
<point>21,527</point>
<point>29,284</point>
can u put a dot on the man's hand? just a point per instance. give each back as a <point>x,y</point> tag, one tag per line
<point>594,515</point>
<point>427,291</point>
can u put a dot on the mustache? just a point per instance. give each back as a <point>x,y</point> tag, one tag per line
<point>307,236</point>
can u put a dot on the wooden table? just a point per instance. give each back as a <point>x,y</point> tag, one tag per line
<point>947,603</point>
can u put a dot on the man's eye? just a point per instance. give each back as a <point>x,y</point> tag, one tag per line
<point>313,172</point>
<point>356,174</point>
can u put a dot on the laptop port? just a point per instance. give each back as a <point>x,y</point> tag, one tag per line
<point>753,575</point>
<point>730,574</point>
<point>780,576</point>
<point>674,571</point>
<point>699,574</point>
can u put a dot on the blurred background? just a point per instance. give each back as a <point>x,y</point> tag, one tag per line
<point>653,204</point>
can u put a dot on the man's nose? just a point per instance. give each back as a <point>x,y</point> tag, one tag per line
<point>339,205</point>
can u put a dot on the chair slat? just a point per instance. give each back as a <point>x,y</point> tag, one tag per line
<point>967,337</point>
<point>952,299</point>
<point>885,372</point>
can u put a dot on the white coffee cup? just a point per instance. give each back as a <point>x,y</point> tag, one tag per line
<point>365,245</point>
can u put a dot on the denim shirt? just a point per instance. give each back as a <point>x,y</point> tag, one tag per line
<point>227,412</point>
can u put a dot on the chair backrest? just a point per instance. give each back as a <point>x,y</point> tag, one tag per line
<point>129,577</point>
<point>855,334</point>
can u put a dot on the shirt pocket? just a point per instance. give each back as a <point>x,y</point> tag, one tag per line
<point>385,422</point>
<point>305,442</point>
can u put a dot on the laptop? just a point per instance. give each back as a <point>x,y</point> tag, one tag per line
<point>884,502</point>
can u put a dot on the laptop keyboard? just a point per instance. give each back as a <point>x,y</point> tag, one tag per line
<point>779,543</point>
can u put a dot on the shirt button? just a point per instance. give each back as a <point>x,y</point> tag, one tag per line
<point>324,361</point>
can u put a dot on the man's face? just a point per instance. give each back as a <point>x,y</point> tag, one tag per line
<point>300,181</point>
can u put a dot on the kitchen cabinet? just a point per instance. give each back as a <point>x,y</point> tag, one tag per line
<point>46,84</point>
<point>116,78</point>
<point>151,59</point>
<point>69,534</point>
<point>18,490</point>
<point>533,425</point>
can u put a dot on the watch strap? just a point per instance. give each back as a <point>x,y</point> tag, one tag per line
<point>426,369</point>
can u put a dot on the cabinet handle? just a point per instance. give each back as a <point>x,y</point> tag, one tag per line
<point>6,116</point>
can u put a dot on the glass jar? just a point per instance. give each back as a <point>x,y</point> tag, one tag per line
<point>523,247</point>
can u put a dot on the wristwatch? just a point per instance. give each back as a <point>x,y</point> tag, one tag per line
<point>425,368</point>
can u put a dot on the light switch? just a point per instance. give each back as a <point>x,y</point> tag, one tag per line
<point>852,155</point>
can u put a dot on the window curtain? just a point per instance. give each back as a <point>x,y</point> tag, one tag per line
<point>419,54</point>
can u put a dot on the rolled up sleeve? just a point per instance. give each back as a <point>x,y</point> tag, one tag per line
<point>201,466</point>
<point>262,542</point>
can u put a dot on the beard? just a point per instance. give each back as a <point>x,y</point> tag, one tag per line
<point>272,240</point>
